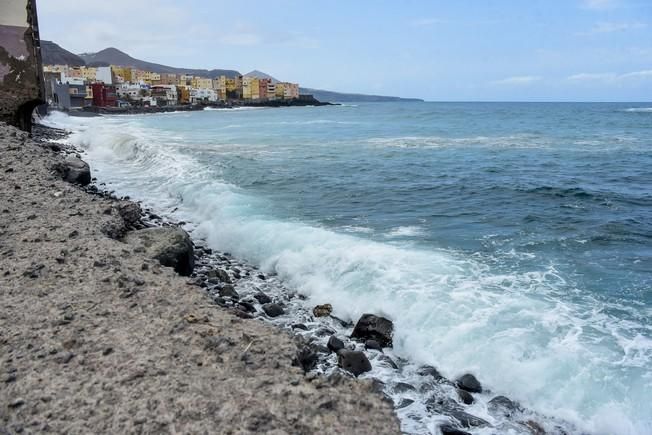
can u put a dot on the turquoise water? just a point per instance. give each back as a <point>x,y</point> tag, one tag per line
<point>513,240</point>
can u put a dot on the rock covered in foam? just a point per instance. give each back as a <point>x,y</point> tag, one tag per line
<point>469,383</point>
<point>372,327</point>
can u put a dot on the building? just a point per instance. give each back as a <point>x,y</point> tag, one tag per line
<point>202,95</point>
<point>103,95</point>
<point>151,77</point>
<point>88,73</point>
<point>120,74</point>
<point>168,79</point>
<point>132,91</point>
<point>271,91</point>
<point>201,83</point>
<point>262,88</point>
<point>103,74</point>
<point>165,95</point>
<point>183,93</point>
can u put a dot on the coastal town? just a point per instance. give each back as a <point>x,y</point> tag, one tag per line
<point>73,88</point>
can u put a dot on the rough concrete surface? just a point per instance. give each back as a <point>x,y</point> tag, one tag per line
<point>97,338</point>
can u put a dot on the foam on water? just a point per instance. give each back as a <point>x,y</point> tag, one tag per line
<point>518,331</point>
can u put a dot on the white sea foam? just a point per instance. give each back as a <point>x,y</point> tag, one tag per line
<point>639,109</point>
<point>406,231</point>
<point>512,141</point>
<point>517,331</point>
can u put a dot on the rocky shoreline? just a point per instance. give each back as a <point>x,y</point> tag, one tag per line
<point>326,347</point>
<point>97,335</point>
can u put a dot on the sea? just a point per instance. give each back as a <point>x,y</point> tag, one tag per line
<point>508,240</point>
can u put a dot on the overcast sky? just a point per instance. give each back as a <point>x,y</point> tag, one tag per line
<point>517,50</point>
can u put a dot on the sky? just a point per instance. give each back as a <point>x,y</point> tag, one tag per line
<point>438,50</point>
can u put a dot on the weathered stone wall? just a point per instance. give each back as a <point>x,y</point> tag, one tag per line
<point>21,76</point>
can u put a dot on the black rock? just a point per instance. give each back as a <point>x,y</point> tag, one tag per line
<point>373,345</point>
<point>220,275</point>
<point>299,326</point>
<point>306,358</point>
<point>353,361</point>
<point>402,387</point>
<point>246,306</point>
<point>322,310</point>
<point>404,403</point>
<point>228,292</point>
<point>387,361</point>
<point>465,396</point>
<point>262,298</point>
<point>130,213</point>
<point>74,170</point>
<point>171,246</point>
<point>469,383</point>
<point>447,429</point>
<point>273,310</point>
<point>429,371</point>
<point>468,420</point>
<point>335,344</point>
<point>375,328</point>
<point>503,405</point>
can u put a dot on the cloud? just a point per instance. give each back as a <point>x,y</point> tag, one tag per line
<point>425,22</point>
<point>610,27</point>
<point>610,77</point>
<point>599,4</point>
<point>517,80</point>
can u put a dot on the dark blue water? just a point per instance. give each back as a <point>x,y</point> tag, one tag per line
<point>510,239</point>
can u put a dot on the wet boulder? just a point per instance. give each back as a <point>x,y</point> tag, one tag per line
<point>353,361</point>
<point>335,344</point>
<point>229,292</point>
<point>372,327</point>
<point>469,383</point>
<point>262,298</point>
<point>447,429</point>
<point>429,371</point>
<point>74,170</point>
<point>502,405</point>
<point>322,310</point>
<point>220,275</point>
<point>306,358</point>
<point>273,310</point>
<point>465,396</point>
<point>373,345</point>
<point>171,246</point>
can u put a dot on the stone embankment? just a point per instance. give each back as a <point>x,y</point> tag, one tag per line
<point>101,333</point>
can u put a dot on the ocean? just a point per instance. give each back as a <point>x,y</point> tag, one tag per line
<point>509,240</point>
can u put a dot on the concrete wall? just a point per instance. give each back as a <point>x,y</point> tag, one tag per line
<point>21,77</point>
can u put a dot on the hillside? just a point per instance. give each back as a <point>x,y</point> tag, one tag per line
<point>53,54</point>
<point>113,56</point>
<point>341,97</point>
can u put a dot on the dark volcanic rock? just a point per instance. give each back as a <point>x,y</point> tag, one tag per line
<point>130,213</point>
<point>373,345</point>
<point>262,298</point>
<point>335,344</point>
<point>228,292</point>
<point>429,371</point>
<point>74,170</point>
<point>402,387</point>
<point>468,420</point>
<point>322,310</point>
<point>306,358</point>
<point>375,328</point>
<point>465,396</point>
<point>171,246</point>
<point>219,274</point>
<point>353,361</point>
<point>447,429</point>
<point>273,310</point>
<point>503,405</point>
<point>469,383</point>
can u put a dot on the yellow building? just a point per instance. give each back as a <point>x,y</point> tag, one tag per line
<point>89,73</point>
<point>151,77</point>
<point>183,94</point>
<point>280,91</point>
<point>202,83</point>
<point>121,74</point>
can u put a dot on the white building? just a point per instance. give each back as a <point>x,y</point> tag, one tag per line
<point>133,91</point>
<point>103,74</point>
<point>203,95</point>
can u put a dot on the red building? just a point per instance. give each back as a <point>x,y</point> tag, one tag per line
<point>262,88</point>
<point>103,95</point>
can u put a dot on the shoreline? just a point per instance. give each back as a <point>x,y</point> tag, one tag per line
<point>444,397</point>
<point>135,110</point>
<point>97,336</point>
